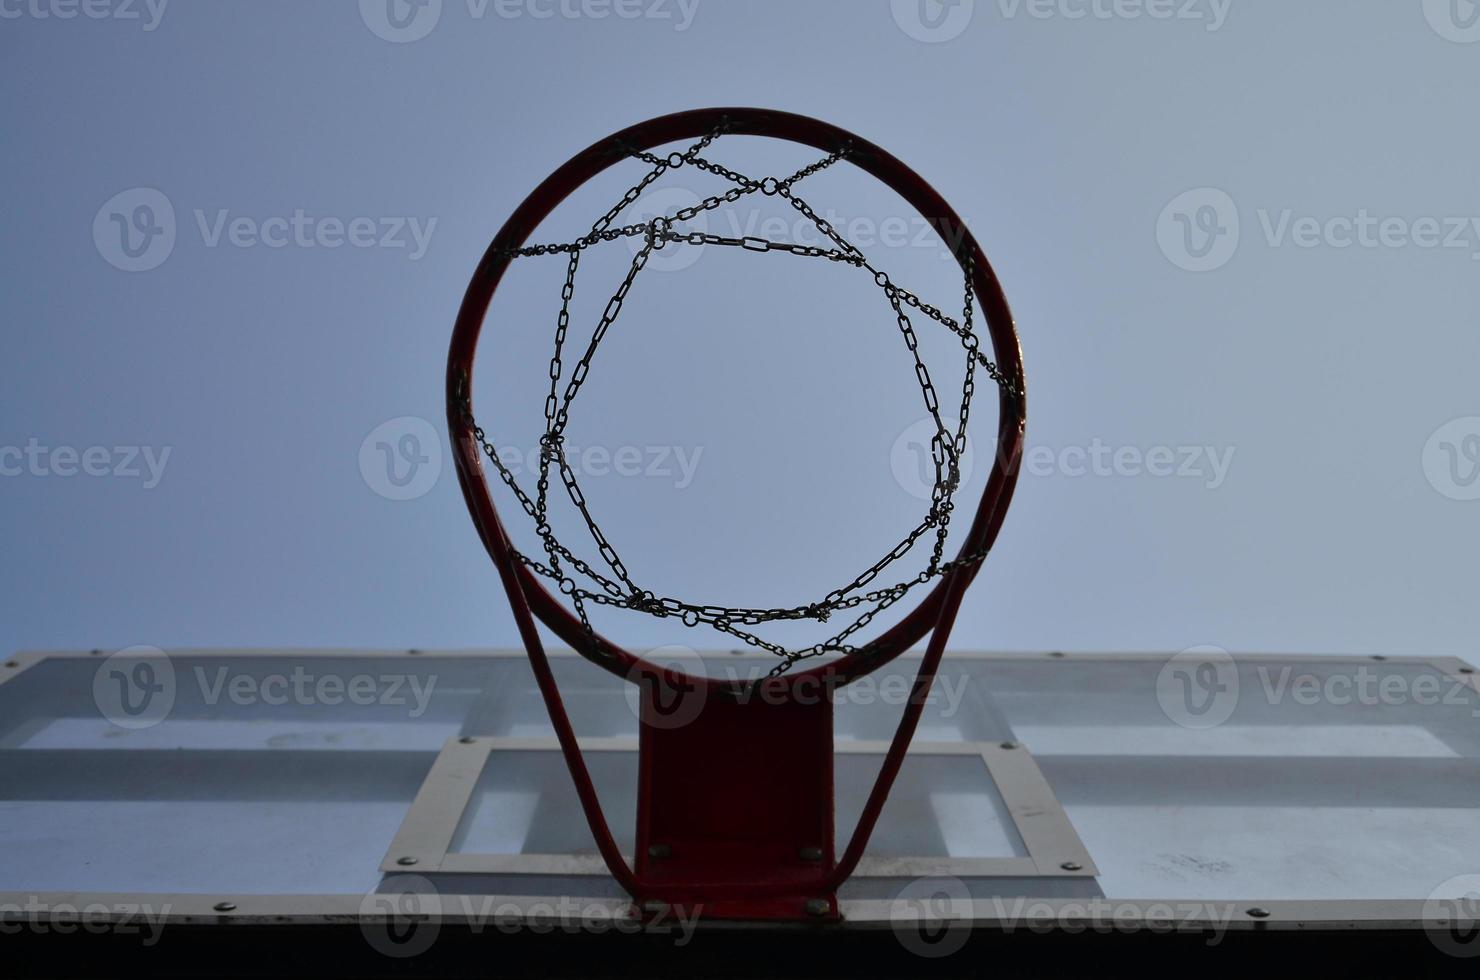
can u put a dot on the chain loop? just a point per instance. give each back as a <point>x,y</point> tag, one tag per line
<point>616,587</point>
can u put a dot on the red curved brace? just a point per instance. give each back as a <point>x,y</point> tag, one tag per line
<point>528,596</point>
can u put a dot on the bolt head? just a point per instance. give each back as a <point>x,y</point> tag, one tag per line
<point>1072,866</point>
<point>818,907</point>
<point>1257,912</point>
<point>224,906</point>
<point>406,862</point>
<point>1009,745</point>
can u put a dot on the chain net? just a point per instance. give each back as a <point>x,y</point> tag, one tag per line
<point>608,582</point>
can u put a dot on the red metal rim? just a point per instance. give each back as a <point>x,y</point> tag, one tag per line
<point>690,125</point>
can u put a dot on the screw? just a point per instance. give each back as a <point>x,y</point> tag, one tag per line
<point>406,862</point>
<point>810,854</point>
<point>818,906</point>
<point>1467,670</point>
<point>11,663</point>
<point>659,851</point>
<point>466,740</point>
<point>1257,912</point>
<point>224,906</point>
<point>1072,866</point>
<point>1057,653</point>
<point>1009,745</point>
<point>95,653</point>
<point>1378,656</point>
<point>414,652</point>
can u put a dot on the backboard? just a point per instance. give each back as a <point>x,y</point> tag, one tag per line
<point>416,801</point>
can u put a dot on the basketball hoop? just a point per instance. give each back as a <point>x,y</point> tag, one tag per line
<point>746,834</point>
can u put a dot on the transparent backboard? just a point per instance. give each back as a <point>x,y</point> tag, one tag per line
<point>1306,786</point>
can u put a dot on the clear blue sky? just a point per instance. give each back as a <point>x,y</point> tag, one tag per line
<point>1305,320</point>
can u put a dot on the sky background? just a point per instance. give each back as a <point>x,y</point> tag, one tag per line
<point>1243,237</point>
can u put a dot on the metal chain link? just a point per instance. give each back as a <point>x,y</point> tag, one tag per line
<point>618,589</point>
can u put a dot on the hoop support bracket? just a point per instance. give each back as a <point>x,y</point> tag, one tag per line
<point>741,828</point>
